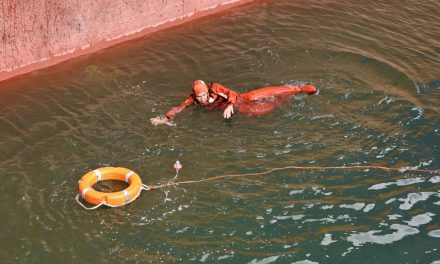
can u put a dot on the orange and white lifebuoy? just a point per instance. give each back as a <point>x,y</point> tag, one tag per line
<point>112,199</point>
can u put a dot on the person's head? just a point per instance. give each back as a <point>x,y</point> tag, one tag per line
<point>200,91</point>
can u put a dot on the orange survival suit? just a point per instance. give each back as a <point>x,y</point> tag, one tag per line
<point>256,102</point>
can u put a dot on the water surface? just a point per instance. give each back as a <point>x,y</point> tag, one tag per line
<point>376,65</point>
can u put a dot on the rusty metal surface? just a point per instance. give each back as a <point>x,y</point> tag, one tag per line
<point>39,33</point>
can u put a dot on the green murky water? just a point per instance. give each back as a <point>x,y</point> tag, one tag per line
<point>376,65</point>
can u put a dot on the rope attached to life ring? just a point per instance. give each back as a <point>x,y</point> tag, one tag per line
<point>402,170</point>
<point>170,184</point>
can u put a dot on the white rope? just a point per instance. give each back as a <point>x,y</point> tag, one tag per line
<point>98,174</point>
<point>87,208</point>
<point>127,196</point>
<point>83,194</point>
<point>129,201</point>
<point>127,176</point>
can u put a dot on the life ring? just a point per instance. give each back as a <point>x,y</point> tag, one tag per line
<point>112,199</point>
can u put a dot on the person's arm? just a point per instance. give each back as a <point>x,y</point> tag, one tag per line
<point>230,97</point>
<point>159,120</point>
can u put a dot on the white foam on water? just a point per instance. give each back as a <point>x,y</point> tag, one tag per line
<point>356,206</point>
<point>434,233</point>
<point>390,200</point>
<point>361,238</point>
<point>322,116</point>
<point>224,257</point>
<point>342,217</point>
<point>419,111</point>
<point>327,240</point>
<point>309,206</point>
<point>394,217</point>
<point>421,219</point>
<point>402,182</point>
<point>414,198</point>
<point>348,251</point>
<point>385,151</point>
<point>265,260</point>
<point>293,217</point>
<point>182,230</point>
<point>329,219</point>
<point>295,192</point>
<point>306,261</point>
<point>369,207</point>
<point>205,257</point>
<point>435,179</point>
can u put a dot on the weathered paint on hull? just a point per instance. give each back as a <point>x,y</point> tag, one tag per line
<point>40,33</point>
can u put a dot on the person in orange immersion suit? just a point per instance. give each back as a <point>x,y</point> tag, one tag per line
<point>216,96</point>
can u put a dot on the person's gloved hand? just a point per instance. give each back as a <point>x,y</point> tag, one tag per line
<point>228,111</point>
<point>160,120</point>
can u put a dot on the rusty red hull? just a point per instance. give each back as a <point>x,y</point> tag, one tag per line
<point>39,33</point>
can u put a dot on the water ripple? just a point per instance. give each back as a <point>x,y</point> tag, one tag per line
<point>376,67</point>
